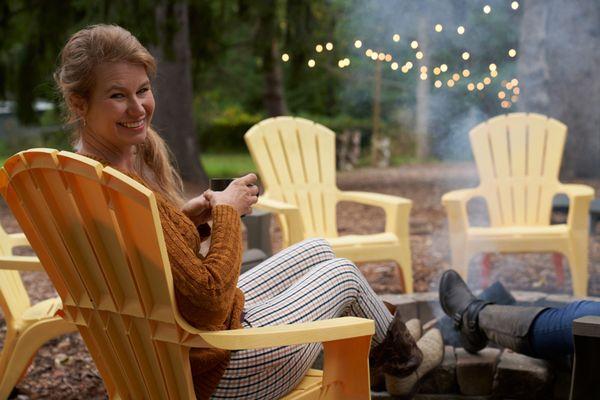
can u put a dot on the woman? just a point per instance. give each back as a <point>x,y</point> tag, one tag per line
<point>105,80</point>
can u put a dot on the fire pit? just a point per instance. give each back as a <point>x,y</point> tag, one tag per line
<point>493,373</point>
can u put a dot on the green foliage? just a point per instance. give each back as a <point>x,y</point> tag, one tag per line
<point>226,131</point>
<point>226,165</point>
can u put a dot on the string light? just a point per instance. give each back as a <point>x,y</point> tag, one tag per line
<point>471,86</point>
<point>423,69</point>
<point>438,84</point>
<point>439,28</point>
<point>329,46</point>
<point>311,63</point>
<point>514,5</point>
<point>466,73</point>
<point>368,52</point>
<point>450,83</point>
<point>404,69</point>
<point>487,9</point>
<point>436,71</point>
<point>480,86</point>
<point>388,57</point>
<point>460,30</point>
<point>394,66</point>
<point>396,37</point>
<point>419,55</point>
<point>493,67</point>
<point>374,55</point>
<point>514,81</point>
<point>357,44</point>
<point>487,80</point>
<point>285,57</point>
<point>509,86</point>
<point>409,64</point>
<point>444,67</point>
<point>516,91</point>
<point>414,44</point>
<point>423,77</point>
<point>455,77</point>
<point>466,55</point>
<point>494,74</point>
<point>512,53</point>
<point>501,95</point>
<point>318,48</point>
<point>341,64</point>
<point>514,99</point>
<point>381,56</point>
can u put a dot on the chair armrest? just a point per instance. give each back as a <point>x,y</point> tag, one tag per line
<point>397,209</point>
<point>580,197</point>
<point>20,263</point>
<point>18,239</point>
<point>455,203</point>
<point>291,213</point>
<point>283,335</point>
<point>374,199</point>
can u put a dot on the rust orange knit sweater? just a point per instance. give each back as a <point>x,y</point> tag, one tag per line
<point>205,287</point>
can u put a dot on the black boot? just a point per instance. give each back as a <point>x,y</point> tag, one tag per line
<point>398,354</point>
<point>458,303</point>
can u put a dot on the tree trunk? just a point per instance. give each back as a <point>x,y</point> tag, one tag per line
<point>273,95</point>
<point>559,55</point>
<point>422,97</point>
<point>173,117</point>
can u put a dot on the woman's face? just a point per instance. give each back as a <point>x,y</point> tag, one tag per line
<point>120,106</point>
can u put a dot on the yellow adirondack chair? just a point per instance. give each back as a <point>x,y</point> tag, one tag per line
<point>518,159</point>
<point>295,158</point>
<point>97,233</point>
<point>27,327</point>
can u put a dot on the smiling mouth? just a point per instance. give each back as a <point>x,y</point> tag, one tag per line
<point>134,124</point>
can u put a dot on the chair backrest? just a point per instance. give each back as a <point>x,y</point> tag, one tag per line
<point>14,299</point>
<point>518,158</point>
<point>97,233</point>
<point>295,158</point>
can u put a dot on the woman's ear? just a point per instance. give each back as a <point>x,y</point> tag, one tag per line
<point>78,105</point>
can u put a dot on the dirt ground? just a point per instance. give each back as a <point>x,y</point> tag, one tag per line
<point>63,369</point>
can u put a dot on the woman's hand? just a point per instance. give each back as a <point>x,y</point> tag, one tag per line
<point>241,194</point>
<point>198,210</point>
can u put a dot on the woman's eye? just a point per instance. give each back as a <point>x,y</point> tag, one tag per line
<point>144,90</point>
<point>116,96</point>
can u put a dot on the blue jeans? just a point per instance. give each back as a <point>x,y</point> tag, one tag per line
<point>551,334</point>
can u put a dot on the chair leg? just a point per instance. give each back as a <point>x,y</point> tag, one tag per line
<point>578,265</point>
<point>557,258</point>
<point>460,257</point>
<point>22,348</point>
<point>405,270</point>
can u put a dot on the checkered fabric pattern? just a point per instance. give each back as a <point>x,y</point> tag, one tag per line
<point>302,283</point>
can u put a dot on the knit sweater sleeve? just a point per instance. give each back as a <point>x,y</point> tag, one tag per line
<point>206,288</point>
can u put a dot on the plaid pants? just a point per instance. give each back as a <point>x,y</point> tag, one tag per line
<point>302,283</point>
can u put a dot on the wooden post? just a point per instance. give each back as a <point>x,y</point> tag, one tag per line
<point>376,134</point>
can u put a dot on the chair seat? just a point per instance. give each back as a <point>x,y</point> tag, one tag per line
<point>308,388</point>
<point>44,309</point>
<point>363,240</point>
<point>518,232</point>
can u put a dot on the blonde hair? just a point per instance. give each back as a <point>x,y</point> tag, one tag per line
<point>98,44</point>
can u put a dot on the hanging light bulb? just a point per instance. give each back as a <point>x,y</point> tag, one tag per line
<point>388,57</point>
<point>487,80</point>
<point>311,63</point>
<point>285,57</point>
<point>514,5</point>
<point>466,55</point>
<point>423,69</point>
<point>368,52</point>
<point>438,84</point>
<point>466,73</point>
<point>381,56</point>
<point>329,46</point>
<point>480,86</point>
<point>423,77</point>
<point>436,71</point>
<point>419,55</point>
<point>439,28</point>
<point>450,83</point>
<point>414,44</point>
<point>444,67</point>
<point>487,9</point>
<point>394,66</point>
<point>396,37</point>
<point>357,44</point>
<point>318,48</point>
<point>501,95</point>
<point>512,53</point>
<point>471,86</point>
<point>455,77</point>
<point>494,74</point>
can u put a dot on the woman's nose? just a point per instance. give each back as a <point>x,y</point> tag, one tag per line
<point>136,107</point>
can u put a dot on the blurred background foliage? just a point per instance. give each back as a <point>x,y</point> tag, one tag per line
<point>239,76</point>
